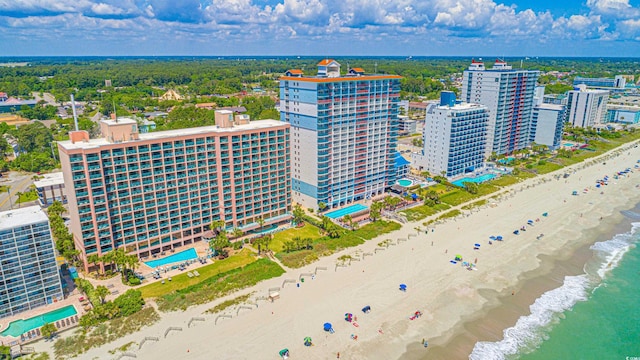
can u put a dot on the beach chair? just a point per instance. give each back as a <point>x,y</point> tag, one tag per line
<point>190,274</point>
<point>196,273</point>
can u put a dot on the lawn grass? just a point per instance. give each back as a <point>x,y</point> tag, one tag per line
<point>107,332</point>
<point>325,245</point>
<point>546,168</point>
<point>504,180</point>
<point>182,281</point>
<point>27,197</point>
<point>279,238</point>
<point>456,197</point>
<point>422,211</point>
<point>219,285</point>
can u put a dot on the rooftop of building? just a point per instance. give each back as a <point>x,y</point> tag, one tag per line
<point>22,216</point>
<point>461,106</point>
<point>168,134</point>
<point>51,179</point>
<point>550,106</point>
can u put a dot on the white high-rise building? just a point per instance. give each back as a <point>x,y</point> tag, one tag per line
<point>455,137</point>
<point>547,123</point>
<point>508,94</point>
<point>29,274</point>
<point>586,107</point>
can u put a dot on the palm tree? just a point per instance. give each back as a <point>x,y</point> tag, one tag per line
<point>56,208</point>
<point>322,206</point>
<point>237,233</point>
<point>94,259</point>
<point>101,292</point>
<point>217,225</point>
<point>48,330</point>
<point>347,219</point>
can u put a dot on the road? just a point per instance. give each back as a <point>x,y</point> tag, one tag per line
<point>18,183</point>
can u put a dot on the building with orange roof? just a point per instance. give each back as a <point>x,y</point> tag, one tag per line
<point>343,134</point>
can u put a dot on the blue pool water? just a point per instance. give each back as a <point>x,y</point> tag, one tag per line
<point>178,257</point>
<point>405,182</point>
<point>19,327</point>
<point>477,180</point>
<point>264,229</point>
<point>346,211</point>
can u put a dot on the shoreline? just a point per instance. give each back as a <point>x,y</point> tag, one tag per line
<point>488,324</point>
<point>448,295</point>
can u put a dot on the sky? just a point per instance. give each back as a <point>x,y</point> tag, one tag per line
<point>598,28</point>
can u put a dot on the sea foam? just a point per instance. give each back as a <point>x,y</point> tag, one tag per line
<point>529,331</point>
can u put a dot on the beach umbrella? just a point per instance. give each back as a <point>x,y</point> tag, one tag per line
<point>366,309</point>
<point>284,353</point>
<point>307,341</point>
<point>327,326</point>
<point>458,257</point>
<point>403,287</point>
<point>492,237</point>
<point>476,245</point>
<point>499,237</point>
<point>348,317</point>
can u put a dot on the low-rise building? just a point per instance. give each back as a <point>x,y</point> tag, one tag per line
<point>50,188</point>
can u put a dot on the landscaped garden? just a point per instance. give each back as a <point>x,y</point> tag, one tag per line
<point>182,281</point>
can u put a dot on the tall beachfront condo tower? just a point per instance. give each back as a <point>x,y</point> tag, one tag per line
<point>508,94</point>
<point>548,120</point>
<point>455,137</point>
<point>586,107</point>
<point>343,133</point>
<point>29,275</point>
<point>161,190</point>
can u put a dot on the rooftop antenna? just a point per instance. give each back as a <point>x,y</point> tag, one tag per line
<point>75,116</point>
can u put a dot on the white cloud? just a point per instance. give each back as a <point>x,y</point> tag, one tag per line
<point>614,8</point>
<point>378,22</point>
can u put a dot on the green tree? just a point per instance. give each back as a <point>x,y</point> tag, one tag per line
<point>260,222</point>
<point>219,242</point>
<point>130,302</point>
<point>56,208</point>
<point>216,226</point>
<point>236,233</point>
<point>5,352</point>
<point>298,214</point>
<point>471,188</point>
<point>94,259</point>
<point>34,137</point>
<point>322,206</point>
<point>347,219</point>
<point>101,292</point>
<point>48,330</point>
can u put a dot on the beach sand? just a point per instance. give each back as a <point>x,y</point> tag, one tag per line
<point>459,306</point>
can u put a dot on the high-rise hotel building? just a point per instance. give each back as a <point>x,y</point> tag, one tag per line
<point>343,133</point>
<point>455,137</point>
<point>161,190</point>
<point>508,94</point>
<point>29,274</point>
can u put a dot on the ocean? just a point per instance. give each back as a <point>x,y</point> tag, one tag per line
<point>591,316</point>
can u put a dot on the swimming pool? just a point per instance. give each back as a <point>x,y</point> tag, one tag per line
<point>477,180</point>
<point>346,211</point>
<point>181,256</point>
<point>405,182</point>
<point>568,144</point>
<point>19,327</point>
